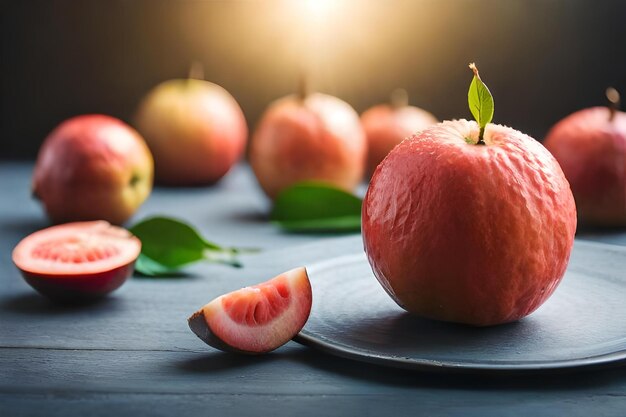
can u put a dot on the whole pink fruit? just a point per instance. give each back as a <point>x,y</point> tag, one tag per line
<point>93,167</point>
<point>386,125</point>
<point>195,130</point>
<point>317,138</point>
<point>590,145</point>
<point>470,233</point>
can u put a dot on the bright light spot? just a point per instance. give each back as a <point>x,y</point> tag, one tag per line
<point>318,9</point>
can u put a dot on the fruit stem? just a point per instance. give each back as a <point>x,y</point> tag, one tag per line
<point>303,86</point>
<point>481,133</point>
<point>399,98</point>
<point>614,101</point>
<point>196,71</point>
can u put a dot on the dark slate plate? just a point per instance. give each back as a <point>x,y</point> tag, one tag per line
<point>582,325</point>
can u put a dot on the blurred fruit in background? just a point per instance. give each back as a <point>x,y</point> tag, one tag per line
<point>93,167</point>
<point>590,145</point>
<point>195,130</point>
<point>308,137</point>
<point>386,125</point>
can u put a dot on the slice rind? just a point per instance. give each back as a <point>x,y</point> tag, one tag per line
<point>256,319</point>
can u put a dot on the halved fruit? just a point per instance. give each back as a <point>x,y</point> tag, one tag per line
<point>256,319</point>
<point>77,261</point>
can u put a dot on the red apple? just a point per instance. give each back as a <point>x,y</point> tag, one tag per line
<point>386,125</point>
<point>315,137</point>
<point>195,130</point>
<point>590,145</point>
<point>469,233</point>
<point>93,167</point>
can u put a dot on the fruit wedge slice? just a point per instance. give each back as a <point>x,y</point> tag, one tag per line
<point>256,319</point>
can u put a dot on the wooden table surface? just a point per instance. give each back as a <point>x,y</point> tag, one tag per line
<point>132,354</point>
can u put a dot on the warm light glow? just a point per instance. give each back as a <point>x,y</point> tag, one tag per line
<point>348,48</point>
<point>318,9</point>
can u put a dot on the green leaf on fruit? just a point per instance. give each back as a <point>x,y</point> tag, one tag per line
<point>314,207</point>
<point>169,244</point>
<point>480,100</point>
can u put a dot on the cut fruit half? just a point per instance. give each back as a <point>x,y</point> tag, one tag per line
<point>76,261</point>
<point>256,319</point>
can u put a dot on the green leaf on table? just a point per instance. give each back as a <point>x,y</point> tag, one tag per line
<point>149,267</point>
<point>480,100</point>
<point>317,207</point>
<point>169,244</point>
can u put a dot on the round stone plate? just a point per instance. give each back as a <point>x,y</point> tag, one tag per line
<point>583,324</point>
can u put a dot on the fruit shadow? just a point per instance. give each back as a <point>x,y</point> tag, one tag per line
<point>447,335</point>
<point>319,232</point>
<point>260,217</point>
<point>250,216</point>
<point>218,361</point>
<point>173,275</point>
<point>36,305</point>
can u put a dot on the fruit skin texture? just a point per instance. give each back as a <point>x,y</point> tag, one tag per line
<point>195,130</point>
<point>591,150</point>
<point>476,234</point>
<point>386,126</point>
<point>318,138</point>
<point>93,167</point>
<point>71,281</point>
<point>256,319</point>
<point>85,287</point>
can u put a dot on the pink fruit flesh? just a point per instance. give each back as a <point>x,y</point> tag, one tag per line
<point>77,261</point>
<point>256,319</point>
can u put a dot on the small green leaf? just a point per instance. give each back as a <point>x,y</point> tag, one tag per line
<point>168,244</point>
<point>317,207</point>
<point>149,267</point>
<point>480,101</point>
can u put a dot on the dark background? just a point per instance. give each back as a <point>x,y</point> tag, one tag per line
<point>542,59</point>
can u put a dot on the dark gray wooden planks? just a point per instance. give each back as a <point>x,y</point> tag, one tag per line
<point>292,381</point>
<point>145,313</point>
<point>244,405</point>
<point>291,370</point>
<point>151,314</point>
<point>133,354</point>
